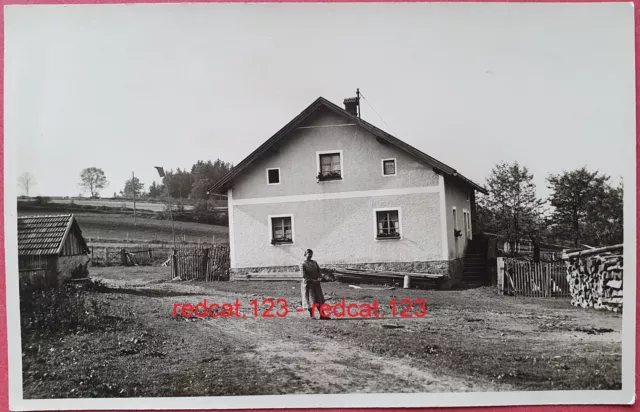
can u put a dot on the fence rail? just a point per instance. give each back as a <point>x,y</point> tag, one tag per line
<point>209,264</point>
<point>134,255</point>
<point>526,278</point>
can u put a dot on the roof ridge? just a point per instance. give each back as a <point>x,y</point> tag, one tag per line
<point>42,216</point>
<point>376,131</point>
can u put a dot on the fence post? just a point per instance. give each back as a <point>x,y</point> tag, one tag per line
<point>174,264</point>
<point>500,267</point>
<point>205,260</point>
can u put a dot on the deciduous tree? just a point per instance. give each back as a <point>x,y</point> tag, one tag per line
<point>511,209</point>
<point>92,180</point>
<point>132,185</point>
<point>586,209</point>
<point>26,182</point>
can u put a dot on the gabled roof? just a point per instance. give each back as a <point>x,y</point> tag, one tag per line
<point>381,135</point>
<point>45,234</point>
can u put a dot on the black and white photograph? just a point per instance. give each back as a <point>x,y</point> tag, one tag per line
<point>243,205</point>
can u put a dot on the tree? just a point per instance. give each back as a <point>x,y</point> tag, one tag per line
<point>92,180</point>
<point>581,200</point>
<point>179,183</point>
<point>205,174</point>
<point>132,185</point>
<point>511,209</point>
<point>605,217</point>
<point>156,190</point>
<point>26,182</point>
<point>589,210</point>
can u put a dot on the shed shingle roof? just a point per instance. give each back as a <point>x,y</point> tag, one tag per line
<point>44,234</point>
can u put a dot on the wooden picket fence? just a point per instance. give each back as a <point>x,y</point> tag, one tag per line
<point>527,278</point>
<point>205,263</point>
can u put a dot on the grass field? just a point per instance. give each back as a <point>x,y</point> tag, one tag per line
<point>469,340</point>
<point>98,227</point>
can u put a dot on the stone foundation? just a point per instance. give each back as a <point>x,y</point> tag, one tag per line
<point>451,269</point>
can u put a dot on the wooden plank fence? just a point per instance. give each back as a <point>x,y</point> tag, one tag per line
<point>35,272</point>
<point>207,263</point>
<point>130,256</point>
<point>527,278</point>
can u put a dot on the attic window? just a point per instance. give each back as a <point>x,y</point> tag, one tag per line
<point>273,176</point>
<point>388,167</point>
<point>330,165</point>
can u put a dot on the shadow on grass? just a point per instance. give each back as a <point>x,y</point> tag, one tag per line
<point>150,293</point>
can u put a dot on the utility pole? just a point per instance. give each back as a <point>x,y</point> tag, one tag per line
<point>173,229</point>
<point>166,184</point>
<point>358,100</point>
<point>133,183</point>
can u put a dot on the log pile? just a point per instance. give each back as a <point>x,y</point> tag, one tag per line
<point>595,278</point>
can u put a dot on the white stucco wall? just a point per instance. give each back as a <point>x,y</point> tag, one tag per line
<point>362,163</point>
<point>456,196</point>
<point>339,231</point>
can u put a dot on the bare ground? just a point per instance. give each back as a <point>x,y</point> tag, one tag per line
<point>470,340</point>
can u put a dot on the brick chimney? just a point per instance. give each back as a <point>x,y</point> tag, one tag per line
<point>352,104</point>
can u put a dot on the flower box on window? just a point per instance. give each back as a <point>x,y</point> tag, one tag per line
<point>329,176</point>
<point>276,241</point>
<point>389,235</point>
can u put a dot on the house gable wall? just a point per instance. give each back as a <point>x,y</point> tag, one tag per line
<point>72,245</point>
<point>324,131</point>
<point>456,196</point>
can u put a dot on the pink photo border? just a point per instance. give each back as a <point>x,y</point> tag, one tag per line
<point>4,374</point>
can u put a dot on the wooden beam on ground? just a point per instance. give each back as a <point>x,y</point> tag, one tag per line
<point>594,251</point>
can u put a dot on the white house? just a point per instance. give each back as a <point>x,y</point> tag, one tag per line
<point>356,195</point>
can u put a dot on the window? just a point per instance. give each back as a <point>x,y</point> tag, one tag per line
<point>387,224</point>
<point>455,219</point>
<point>330,165</point>
<point>281,229</point>
<point>273,176</point>
<point>456,232</point>
<point>388,167</point>
<point>467,224</point>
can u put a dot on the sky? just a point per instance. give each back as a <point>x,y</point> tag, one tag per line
<point>129,87</point>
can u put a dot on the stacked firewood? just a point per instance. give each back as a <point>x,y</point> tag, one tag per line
<point>595,278</point>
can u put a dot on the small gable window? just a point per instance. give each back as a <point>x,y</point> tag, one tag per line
<point>388,167</point>
<point>330,166</point>
<point>387,224</point>
<point>281,229</point>
<point>273,176</point>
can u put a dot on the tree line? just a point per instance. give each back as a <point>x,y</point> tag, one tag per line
<point>182,183</point>
<point>583,209</point>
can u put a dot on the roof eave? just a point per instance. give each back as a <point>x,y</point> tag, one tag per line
<point>64,237</point>
<point>224,182</point>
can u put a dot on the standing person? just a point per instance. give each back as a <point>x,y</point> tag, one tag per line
<point>310,287</point>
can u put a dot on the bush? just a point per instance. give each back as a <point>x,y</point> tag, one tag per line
<point>59,310</point>
<point>42,200</point>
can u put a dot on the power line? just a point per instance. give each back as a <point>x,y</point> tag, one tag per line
<point>374,110</point>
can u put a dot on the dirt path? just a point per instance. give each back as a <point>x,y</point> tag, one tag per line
<point>337,367</point>
<point>471,341</point>
<point>318,363</point>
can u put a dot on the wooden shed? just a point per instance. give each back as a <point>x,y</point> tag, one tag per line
<point>51,250</point>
